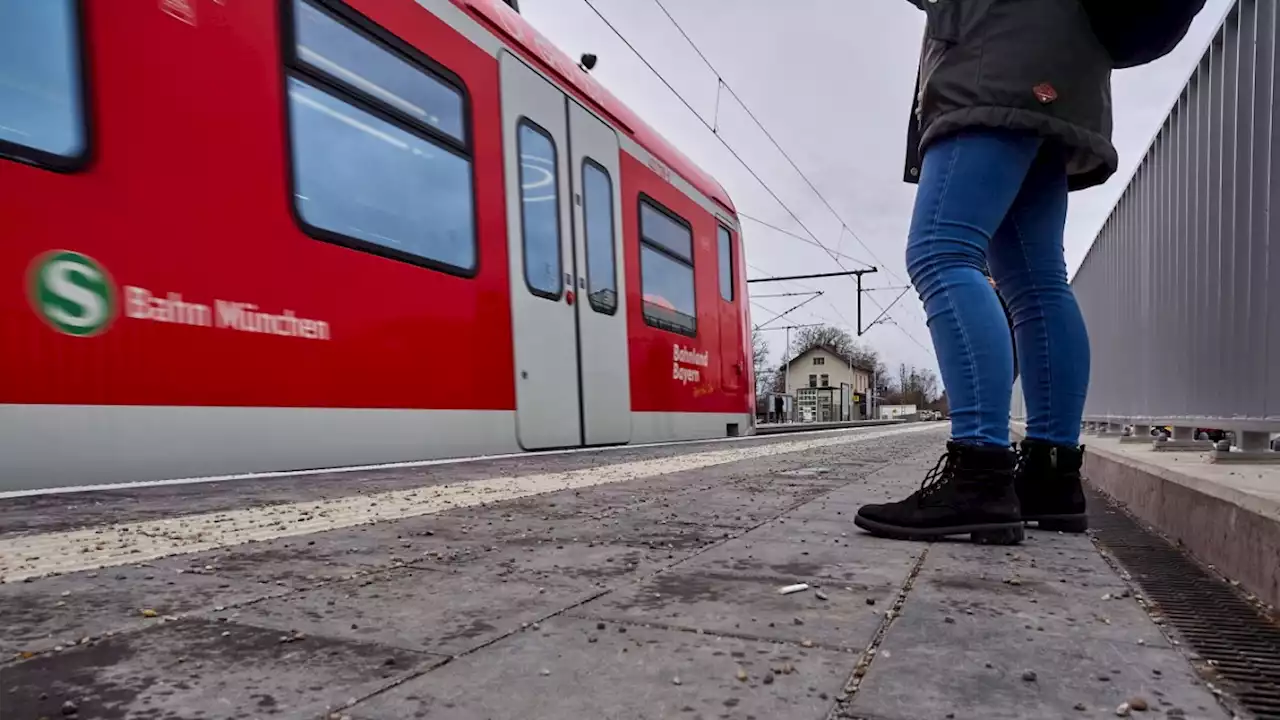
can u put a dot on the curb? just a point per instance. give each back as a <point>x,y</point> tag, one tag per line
<point>1236,533</point>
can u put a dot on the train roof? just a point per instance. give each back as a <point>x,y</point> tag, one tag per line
<point>501,18</point>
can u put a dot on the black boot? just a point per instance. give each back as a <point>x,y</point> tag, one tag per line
<point>970,491</point>
<point>1047,478</point>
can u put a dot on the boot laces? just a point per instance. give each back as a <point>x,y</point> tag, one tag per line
<point>939,477</point>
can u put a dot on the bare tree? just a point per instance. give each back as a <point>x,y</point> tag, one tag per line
<point>759,359</point>
<point>913,386</point>
<point>777,382</point>
<point>929,385</point>
<point>882,379</point>
<point>941,404</point>
<point>838,341</point>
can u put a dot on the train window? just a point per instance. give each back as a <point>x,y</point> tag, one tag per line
<point>539,210</point>
<point>362,177</point>
<point>335,50</point>
<point>666,232</point>
<point>666,270</point>
<point>597,215</point>
<point>42,115</point>
<point>726,263</point>
<point>380,161</point>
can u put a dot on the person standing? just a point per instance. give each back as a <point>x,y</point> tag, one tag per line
<point>1012,112</point>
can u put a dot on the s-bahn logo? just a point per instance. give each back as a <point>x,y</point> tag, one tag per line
<point>72,292</point>
<point>76,296</point>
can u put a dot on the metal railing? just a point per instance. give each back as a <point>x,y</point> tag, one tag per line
<point>1177,289</point>
<point>1181,288</point>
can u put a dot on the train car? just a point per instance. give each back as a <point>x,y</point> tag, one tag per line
<point>267,235</point>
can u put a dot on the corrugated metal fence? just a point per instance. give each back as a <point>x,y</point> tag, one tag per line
<point>1181,289</point>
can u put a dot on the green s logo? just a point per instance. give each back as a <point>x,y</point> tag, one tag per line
<point>72,293</point>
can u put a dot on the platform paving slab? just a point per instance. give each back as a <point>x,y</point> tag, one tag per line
<point>598,565</point>
<point>577,669</point>
<point>203,669</point>
<point>297,562</point>
<point>707,512</point>
<point>838,619</point>
<point>930,670</point>
<point>979,619</point>
<point>618,601</point>
<point>418,610</point>
<point>632,530</point>
<point>972,587</point>
<point>805,530</point>
<point>876,563</point>
<point>66,610</point>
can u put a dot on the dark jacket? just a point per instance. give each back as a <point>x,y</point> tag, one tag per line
<point>1031,65</point>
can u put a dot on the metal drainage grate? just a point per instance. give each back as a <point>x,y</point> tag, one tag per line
<point>1212,618</point>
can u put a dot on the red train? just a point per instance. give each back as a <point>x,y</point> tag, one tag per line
<point>263,235</point>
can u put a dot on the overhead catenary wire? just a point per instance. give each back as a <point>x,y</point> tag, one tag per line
<point>886,310</point>
<point>704,122</point>
<point>911,337</point>
<point>755,296</point>
<point>726,86</point>
<point>790,327</point>
<point>784,313</point>
<point>799,237</point>
<point>722,83</point>
<point>811,311</point>
<point>715,132</point>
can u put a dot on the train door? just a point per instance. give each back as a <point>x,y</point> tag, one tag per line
<point>540,230</point>
<point>732,367</point>
<point>565,246</point>
<point>602,317</point>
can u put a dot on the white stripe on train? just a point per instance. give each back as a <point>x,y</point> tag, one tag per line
<point>132,485</point>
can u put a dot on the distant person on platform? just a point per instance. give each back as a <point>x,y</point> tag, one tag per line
<point>1012,112</point>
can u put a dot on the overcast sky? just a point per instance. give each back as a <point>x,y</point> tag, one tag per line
<point>832,81</point>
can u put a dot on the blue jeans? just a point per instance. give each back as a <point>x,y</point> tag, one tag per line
<point>998,199</point>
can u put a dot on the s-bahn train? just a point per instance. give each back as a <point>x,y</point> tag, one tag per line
<point>269,235</point>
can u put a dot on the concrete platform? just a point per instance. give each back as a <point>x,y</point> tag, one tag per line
<point>1227,515</point>
<point>797,427</point>
<point>620,585</point>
